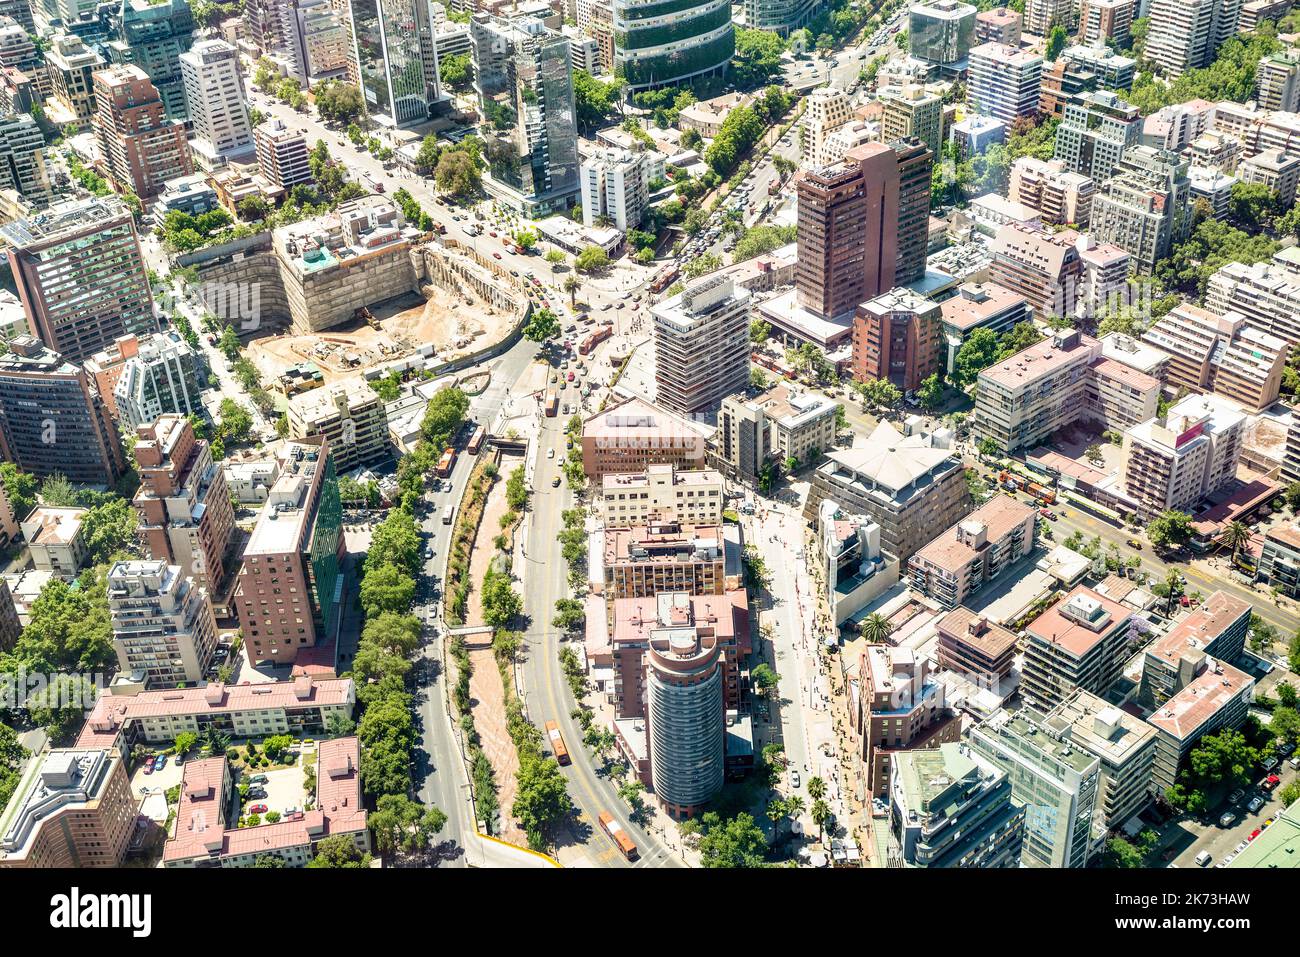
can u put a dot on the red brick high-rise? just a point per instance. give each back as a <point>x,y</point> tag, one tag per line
<point>141,147</point>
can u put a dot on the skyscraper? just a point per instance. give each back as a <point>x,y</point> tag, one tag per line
<point>142,148</point>
<point>941,32</point>
<point>1096,130</point>
<point>80,275</point>
<point>666,42</point>
<point>395,59</point>
<point>214,90</point>
<point>779,16</point>
<point>915,169</point>
<point>701,341</point>
<point>1004,82</point>
<point>524,78</point>
<point>152,34</point>
<point>1184,35</point>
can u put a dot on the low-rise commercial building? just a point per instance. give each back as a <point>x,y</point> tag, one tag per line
<point>975,647</point>
<point>631,435</point>
<point>662,495</point>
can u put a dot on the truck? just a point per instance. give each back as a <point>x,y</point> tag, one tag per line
<point>593,339</point>
<point>476,440</point>
<point>446,463</point>
<point>552,402</point>
<point>556,741</point>
<point>615,832</point>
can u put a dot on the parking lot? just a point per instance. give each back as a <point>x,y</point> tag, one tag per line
<point>283,789</point>
<point>1223,841</point>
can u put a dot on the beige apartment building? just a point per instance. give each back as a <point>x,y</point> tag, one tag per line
<point>974,551</point>
<point>349,414</point>
<point>1220,354</point>
<point>779,424</point>
<point>645,560</point>
<point>1060,196</point>
<point>163,627</point>
<point>662,494</point>
<point>971,645</point>
<point>1080,642</point>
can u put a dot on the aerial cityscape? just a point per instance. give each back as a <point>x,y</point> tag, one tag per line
<point>642,434</point>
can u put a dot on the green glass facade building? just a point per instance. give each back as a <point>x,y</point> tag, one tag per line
<point>666,42</point>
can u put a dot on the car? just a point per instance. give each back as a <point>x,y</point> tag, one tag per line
<point>1270,763</point>
<point>1285,748</point>
<point>1271,782</point>
<point>1295,762</point>
<point>570,375</point>
<point>148,766</point>
<point>1240,847</point>
<point>256,794</point>
<point>1227,819</point>
<point>429,552</point>
<point>1236,796</point>
<point>550,453</point>
<point>1228,859</point>
<point>1203,858</point>
<point>496,255</point>
<point>257,809</point>
<point>1255,804</point>
<point>1255,833</point>
<point>794,779</point>
<point>160,763</point>
<point>555,482</point>
<point>1135,543</point>
<point>492,233</point>
<point>258,779</point>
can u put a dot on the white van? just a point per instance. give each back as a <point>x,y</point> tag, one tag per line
<point>1203,859</point>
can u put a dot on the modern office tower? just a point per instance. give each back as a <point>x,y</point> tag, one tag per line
<point>701,339</point>
<point>909,483</point>
<point>779,16</point>
<point>80,275</point>
<point>848,232</point>
<point>661,495</point>
<point>185,514</point>
<point>910,111</point>
<point>999,25</point>
<point>349,414</point>
<point>1277,82</point>
<point>1186,34</point>
<point>1267,294</point>
<point>321,45</point>
<point>141,377</point>
<point>51,420</point>
<point>288,594</point>
<point>1276,170</point>
<point>1102,20</point>
<point>979,548</point>
<point>1221,354</point>
<point>162,623</point>
<point>152,34</point>
<point>780,424</point>
<point>828,110</point>
<point>214,93</point>
<point>141,147</point>
<point>915,169</point>
<point>72,808</point>
<point>897,337</point>
<point>941,33</point>
<point>1175,461</point>
<point>1094,133</point>
<point>900,708</point>
<point>1080,642</point>
<point>20,11</point>
<point>1004,82</point>
<point>524,79</point>
<point>615,185</point>
<point>282,154</point>
<point>1042,15</point>
<point>657,44</point>
<point>1144,208</point>
<point>1055,782</point>
<point>1218,698</point>
<point>1044,268</point>
<point>1061,197</point>
<point>951,807</point>
<point>1123,743</point>
<point>971,645</point>
<point>22,158</point>
<point>395,59</point>
<point>72,65</point>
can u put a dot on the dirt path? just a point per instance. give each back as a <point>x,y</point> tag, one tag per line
<point>484,549</point>
<point>489,710</point>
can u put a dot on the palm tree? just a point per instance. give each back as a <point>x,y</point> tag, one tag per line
<point>776,811</point>
<point>571,285</point>
<point>794,806</point>
<point>821,813</point>
<point>816,788</point>
<point>876,629</point>
<point>1173,582</point>
<point>1235,536</point>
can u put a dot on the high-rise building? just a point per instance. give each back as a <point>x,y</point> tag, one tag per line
<point>999,25</point>
<point>321,45</point>
<point>1277,82</point>
<point>214,93</point>
<point>912,111</point>
<point>665,44</point>
<point>976,550</point>
<point>185,514</point>
<point>701,339</point>
<point>152,34</point>
<point>1042,15</point>
<point>1267,294</point>
<point>524,78</point>
<point>1144,208</point>
<point>941,32</point>
<point>142,148</point>
<point>72,65</point>
<point>897,337</point>
<point>951,807</point>
<point>80,275</point>
<point>349,414</point>
<point>1055,782</point>
<point>1216,629</point>
<point>21,13</point>
<point>900,708</point>
<point>1004,82</point>
<point>828,109</point>
<point>1080,642</point>
<point>915,169</point>
<point>289,595</point>
<point>51,418</point>
<point>780,424</point>
<point>1186,34</point>
<point>162,623</point>
<point>615,185</point>
<point>848,232</point>
<point>395,59</point>
<point>140,378</point>
<point>1102,20</point>
<point>1044,268</point>
<point>1094,133</point>
<point>22,158</point>
<point>1060,196</point>
<point>282,154</point>
<point>779,16</point>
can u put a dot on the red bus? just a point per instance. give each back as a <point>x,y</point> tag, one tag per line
<point>446,463</point>
<point>552,401</point>
<point>557,742</point>
<point>594,339</point>
<point>664,279</point>
<point>476,440</point>
<point>617,835</point>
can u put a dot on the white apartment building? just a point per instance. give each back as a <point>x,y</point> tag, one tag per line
<point>1185,34</point>
<point>282,155</point>
<point>1176,461</point>
<point>162,623</point>
<point>349,414</point>
<point>1042,15</point>
<point>1004,82</point>
<point>1277,81</point>
<point>701,340</point>
<point>662,494</point>
<point>214,92</point>
<point>1267,294</point>
<point>828,110</point>
<point>615,185</point>
<point>160,373</point>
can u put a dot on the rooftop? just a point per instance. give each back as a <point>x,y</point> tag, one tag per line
<point>52,526</point>
<point>973,629</point>
<point>1046,357</point>
<point>1111,733</point>
<point>1196,631</point>
<point>1080,621</point>
<point>996,518</point>
<point>637,419</point>
<point>56,781</point>
<point>1183,715</point>
<point>978,302</point>
<point>892,461</point>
